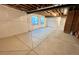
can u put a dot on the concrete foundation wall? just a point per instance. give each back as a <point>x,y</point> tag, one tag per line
<point>56,22</point>
<point>12,21</point>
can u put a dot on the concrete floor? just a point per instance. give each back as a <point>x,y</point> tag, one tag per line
<point>44,41</point>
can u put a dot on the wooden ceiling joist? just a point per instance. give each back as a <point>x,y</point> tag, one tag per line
<point>48,9</point>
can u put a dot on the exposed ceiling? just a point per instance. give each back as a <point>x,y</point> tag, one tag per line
<point>53,12</point>
<point>28,7</point>
<point>32,7</point>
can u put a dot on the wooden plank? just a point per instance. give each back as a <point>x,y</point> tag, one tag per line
<point>75,25</point>
<point>69,20</point>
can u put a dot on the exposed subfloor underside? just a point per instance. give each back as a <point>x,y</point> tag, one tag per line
<point>43,41</point>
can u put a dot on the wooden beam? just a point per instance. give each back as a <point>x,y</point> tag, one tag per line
<point>32,5</point>
<point>14,6</point>
<point>28,7</point>
<point>52,7</point>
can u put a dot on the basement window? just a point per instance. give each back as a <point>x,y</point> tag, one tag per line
<point>34,20</point>
<point>42,20</point>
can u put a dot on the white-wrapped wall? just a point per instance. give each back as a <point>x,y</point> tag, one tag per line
<point>12,21</point>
